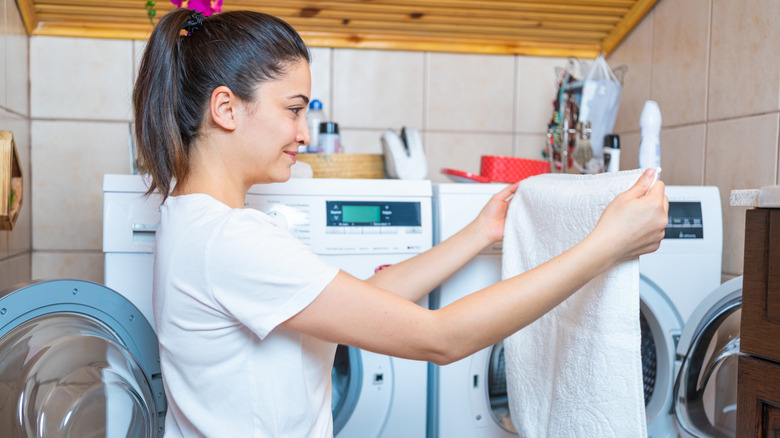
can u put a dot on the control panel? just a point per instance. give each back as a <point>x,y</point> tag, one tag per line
<point>343,225</point>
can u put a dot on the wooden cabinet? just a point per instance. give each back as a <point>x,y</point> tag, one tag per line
<point>758,387</point>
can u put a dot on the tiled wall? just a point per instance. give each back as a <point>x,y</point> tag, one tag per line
<point>714,69</point>
<point>709,64</point>
<point>464,105</point>
<point>15,246</point>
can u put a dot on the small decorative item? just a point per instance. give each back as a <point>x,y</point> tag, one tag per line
<point>150,12</point>
<point>10,181</point>
<point>206,7</point>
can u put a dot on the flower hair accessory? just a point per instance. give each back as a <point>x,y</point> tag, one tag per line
<point>207,7</point>
<point>193,23</point>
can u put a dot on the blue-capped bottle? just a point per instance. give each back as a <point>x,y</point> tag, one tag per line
<point>314,117</point>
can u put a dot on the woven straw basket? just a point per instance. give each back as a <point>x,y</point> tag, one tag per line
<point>371,166</point>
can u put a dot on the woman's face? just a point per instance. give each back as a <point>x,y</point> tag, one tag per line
<point>271,128</point>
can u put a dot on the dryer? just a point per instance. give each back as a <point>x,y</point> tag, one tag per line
<point>679,283</point>
<point>356,225</point>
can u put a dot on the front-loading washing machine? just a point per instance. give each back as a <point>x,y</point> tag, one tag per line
<point>357,225</point>
<point>77,359</point>
<point>468,398</point>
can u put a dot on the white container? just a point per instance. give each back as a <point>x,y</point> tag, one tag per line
<point>329,138</point>
<point>611,153</point>
<point>314,116</point>
<point>650,127</point>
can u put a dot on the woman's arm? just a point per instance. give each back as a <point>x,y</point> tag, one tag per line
<point>354,312</point>
<point>417,276</point>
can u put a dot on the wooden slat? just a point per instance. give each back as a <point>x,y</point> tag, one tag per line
<point>542,28</point>
<point>640,9</point>
<point>92,13</point>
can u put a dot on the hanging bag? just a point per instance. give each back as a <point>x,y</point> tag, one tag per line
<point>600,101</point>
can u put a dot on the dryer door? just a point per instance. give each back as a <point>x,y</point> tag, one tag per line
<point>706,386</point>
<point>362,384</point>
<point>77,360</point>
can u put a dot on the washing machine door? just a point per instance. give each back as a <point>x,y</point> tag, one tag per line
<point>706,386</point>
<point>77,360</point>
<point>362,390</point>
<point>661,327</point>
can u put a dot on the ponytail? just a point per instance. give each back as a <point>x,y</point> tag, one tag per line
<point>186,58</point>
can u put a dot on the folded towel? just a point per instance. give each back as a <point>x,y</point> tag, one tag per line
<point>576,371</point>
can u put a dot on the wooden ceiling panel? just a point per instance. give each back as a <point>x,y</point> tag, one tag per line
<point>580,28</point>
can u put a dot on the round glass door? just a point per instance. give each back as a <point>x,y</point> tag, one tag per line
<point>68,375</point>
<point>706,388</point>
<point>496,387</point>
<point>346,375</point>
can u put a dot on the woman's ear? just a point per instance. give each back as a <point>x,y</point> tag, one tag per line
<point>223,106</point>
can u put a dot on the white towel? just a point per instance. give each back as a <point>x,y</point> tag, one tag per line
<point>576,371</point>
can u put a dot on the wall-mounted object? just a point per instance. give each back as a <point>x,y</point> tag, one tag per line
<point>558,28</point>
<point>10,181</point>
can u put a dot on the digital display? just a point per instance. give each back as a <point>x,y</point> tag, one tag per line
<point>361,213</point>
<point>685,221</point>
<point>373,214</point>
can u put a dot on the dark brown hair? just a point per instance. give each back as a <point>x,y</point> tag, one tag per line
<point>180,68</point>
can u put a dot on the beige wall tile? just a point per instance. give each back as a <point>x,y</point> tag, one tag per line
<point>530,146</point>
<point>462,151</point>
<point>20,239</point>
<point>629,151</point>
<point>535,85</point>
<point>321,78</point>
<point>741,154</point>
<point>377,89</point>
<point>71,265</point>
<point>17,53</point>
<point>682,155</point>
<point>636,52</point>
<point>15,270</point>
<point>68,163</point>
<point>80,78</point>
<point>362,141</point>
<point>138,53</point>
<point>470,93</point>
<point>3,56</point>
<point>744,65</point>
<point>680,49</point>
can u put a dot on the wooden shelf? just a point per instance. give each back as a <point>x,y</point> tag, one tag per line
<point>561,28</point>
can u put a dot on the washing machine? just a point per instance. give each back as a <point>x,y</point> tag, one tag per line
<point>359,226</point>
<point>682,304</point>
<point>77,359</point>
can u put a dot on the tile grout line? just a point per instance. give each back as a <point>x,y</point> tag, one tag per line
<point>707,95</point>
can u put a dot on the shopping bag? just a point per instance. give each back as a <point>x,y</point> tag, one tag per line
<point>600,101</point>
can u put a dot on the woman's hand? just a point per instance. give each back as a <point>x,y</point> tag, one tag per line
<point>634,222</point>
<point>490,221</point>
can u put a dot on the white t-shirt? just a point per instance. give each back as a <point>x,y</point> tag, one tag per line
<point>224,279</point>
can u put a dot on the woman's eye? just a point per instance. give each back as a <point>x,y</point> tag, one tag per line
<point>296,110</point>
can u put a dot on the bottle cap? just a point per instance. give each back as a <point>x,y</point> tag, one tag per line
<point>329,128</point>
<point>315,105</point>
<point>651,114</point>
<point>612,141</point>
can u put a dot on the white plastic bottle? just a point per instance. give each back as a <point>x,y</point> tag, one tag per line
<point>650,128</point>
<point>314,116</point>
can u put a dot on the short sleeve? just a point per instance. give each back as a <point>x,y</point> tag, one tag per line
<point>261,274</point>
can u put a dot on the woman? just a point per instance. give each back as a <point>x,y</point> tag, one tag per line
<point>248,318</point>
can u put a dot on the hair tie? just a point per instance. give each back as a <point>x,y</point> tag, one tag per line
<point>193,23</point>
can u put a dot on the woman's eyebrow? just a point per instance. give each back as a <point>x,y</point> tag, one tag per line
<point>302,96</point>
